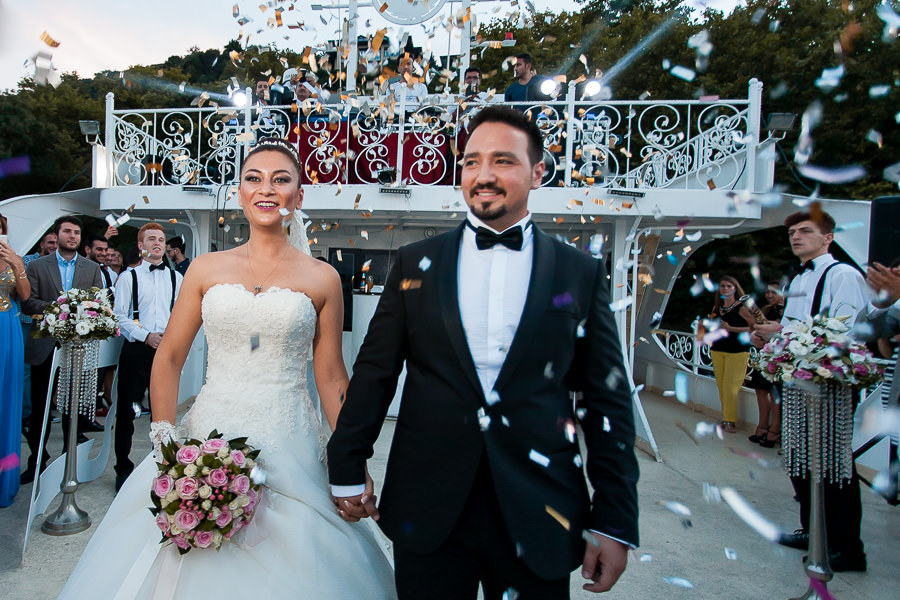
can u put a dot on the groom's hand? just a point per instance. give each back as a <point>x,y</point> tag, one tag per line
<point>604,561</point>
<point>354,508</point>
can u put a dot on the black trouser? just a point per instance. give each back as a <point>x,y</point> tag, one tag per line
<point>479,549</point>
<point>134,379</point>
<point>843,512</point>
<point>40,384</point>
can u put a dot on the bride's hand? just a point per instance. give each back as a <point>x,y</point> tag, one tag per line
<point>354,508</point>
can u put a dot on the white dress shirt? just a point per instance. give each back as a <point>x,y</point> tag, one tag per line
<point>844,293</point>
<point>493,285</point>
<point>154,300</point>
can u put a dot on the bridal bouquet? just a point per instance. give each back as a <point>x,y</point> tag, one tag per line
<point>84,314</point>
<point>204,492</point>
<point>817,349</point>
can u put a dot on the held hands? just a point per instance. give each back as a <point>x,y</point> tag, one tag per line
<point>354,508</point>
<point>604,561</point>
<point>885,281</point>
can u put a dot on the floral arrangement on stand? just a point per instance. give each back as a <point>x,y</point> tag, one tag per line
<point>817,349</point>
<point>79,314</point>
<point>206,491</point>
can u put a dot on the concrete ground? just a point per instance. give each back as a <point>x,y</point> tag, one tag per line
<point>694,552</point>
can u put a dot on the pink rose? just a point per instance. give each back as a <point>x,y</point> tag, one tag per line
<point>214,445</point>
<point>238,524</point>
<point>187,454</point>
<point>162,485</point>
<point>187,488</point>
<point>61,299</point>
<point>186,520</point>
<point>224,518</point>
<point>181,542</point>
<point>240,484</point>
<point>217,477</point>
<point>162,521</point>
<point>860,369</point>
<point>254,498</point>
<point>92,313</point>
<point>203,539</point>
<point>803,374</point>
<point>63,316</point>
<point>237,457</point>
<point>771,368</point>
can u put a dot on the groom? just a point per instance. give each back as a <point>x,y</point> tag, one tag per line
<point>496,322</point>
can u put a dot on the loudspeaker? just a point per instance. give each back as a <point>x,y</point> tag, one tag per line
<point>884,226</point>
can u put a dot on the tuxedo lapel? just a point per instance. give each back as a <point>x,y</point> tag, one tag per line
<point>535,304</point>
<point>448,297</point>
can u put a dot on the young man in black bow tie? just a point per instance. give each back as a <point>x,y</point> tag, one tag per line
<point>145,296</point>
<point>823,285</point>
<point>496,322</point>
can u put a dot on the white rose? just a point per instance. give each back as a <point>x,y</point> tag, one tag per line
<point>172,496</point>
<point>82,328</point>
<point>237,511</point>
<point>823,372</point>
<point>234,505</point>
<point>797,348</point>
<point>205,491</point>
<point>787,367</point>
<point>190,470</point>
<point>786,376</point>
<point>164,502</point>
<point>173,527</point>
<point>216,512</point>
<point>217,538</point>
<point>227,461</point>
<point>206,505</point>
<point>64,308</point>
<point>244,499</point>
<point>836,324</point>
<point>50,319</point>
<point>223,453</point>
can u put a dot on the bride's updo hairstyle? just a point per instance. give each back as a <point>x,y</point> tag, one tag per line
<point>275,144</point>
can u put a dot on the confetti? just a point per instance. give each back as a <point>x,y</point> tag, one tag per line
<point>679,582</point>
<point>366,266</point>
<point>832,175</point>
<point>492,398</point>
<point>877,91</point>
<point>512,593</point>
<point>364,234</point>
<point>283,212</point>
<point>563,299</point>
<point>656,320</point>
<point>45,37</point>
<point>254,342</point>
<point>606,426</point>
<point>539,458</point>
<point>425,263</point>
<point>484,421</point>
<point>410,284</point>
<point>556,515</point>
<point>258,475</point>
<point>645,558</point>
<point>683,73</point>
<point>681,387</point>
<point>749,515</point>
<point>548,371</point>
<point>580,330</point>
<point>621,304</point>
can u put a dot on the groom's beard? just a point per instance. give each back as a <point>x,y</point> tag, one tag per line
<point>483,212</point>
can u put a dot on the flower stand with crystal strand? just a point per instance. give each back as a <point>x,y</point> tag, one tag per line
<point>817,436</point>
<point>76,394</point>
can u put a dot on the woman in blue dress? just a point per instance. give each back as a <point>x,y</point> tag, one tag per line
<point>13,284</point>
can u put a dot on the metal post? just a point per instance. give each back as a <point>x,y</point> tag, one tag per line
<point>353,46</point>
<point>817,566</point>
<point>68,518</point>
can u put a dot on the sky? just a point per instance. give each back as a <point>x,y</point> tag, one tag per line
<point>99,35</point>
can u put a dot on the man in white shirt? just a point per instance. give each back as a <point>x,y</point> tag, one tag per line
<point>496,322</point>
<point>408,86</point>
<point>145,296</point>
<point>824,286</point>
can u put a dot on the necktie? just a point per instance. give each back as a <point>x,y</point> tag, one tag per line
<point>160,266</point>
<point>485,238</point>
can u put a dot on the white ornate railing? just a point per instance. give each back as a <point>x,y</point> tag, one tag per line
<point>613,144</point>
<point>688,353</point>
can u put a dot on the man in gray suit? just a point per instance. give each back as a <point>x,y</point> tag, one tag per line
<point>49,276</point>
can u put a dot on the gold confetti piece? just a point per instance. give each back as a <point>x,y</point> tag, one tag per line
<point>130,209</point>
<point>377,39</point>
<point>221,220</point>
<point>278,21</point>
<point>711,184</point>
<point>555,514</point>
<point>340,256</point>
<point>364,233</point>
<point>660,291</point>
<point>366,265</point>
<point>558,220</point>
<point>410,284</point>
<point>356,202</point>
<point>173,221</point>
<point>383,8</point>
<point>45,37</point>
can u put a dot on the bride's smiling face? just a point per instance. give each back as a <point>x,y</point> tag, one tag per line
<point>270,181</point>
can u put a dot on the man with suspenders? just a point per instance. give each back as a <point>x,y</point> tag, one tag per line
<point>825,286</point>
<point>145,296</point>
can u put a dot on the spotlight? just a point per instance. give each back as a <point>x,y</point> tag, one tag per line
<point>386,176</point>
<point>592,88</point>
<point>549,87</point>
<point>90,129</point>
<point>239,99</point>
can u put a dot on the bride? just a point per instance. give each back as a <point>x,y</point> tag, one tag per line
<point>263,305</point>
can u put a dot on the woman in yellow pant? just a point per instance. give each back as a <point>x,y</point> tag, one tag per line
<point>730,353</point>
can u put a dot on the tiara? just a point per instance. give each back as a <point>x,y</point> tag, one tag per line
<point>274,142</point>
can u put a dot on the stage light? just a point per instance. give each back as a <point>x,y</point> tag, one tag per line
<point>549,87</point>
<point>239,99</point>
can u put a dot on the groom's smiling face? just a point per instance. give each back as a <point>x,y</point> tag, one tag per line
<point>497,174</point>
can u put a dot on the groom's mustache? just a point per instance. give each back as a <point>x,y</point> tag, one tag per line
<point>486,188</point>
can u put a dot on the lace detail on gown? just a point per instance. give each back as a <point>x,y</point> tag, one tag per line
<point>256,378</point>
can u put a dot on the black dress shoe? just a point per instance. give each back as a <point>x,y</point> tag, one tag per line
<point>92,426</point>
<point>799,539</point>
<point>27,476</point>
<point>82,438</point>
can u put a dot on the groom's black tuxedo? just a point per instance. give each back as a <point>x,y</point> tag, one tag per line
<point>566,340</point>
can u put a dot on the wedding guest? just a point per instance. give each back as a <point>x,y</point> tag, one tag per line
<point>768,428</point>
<point>730,354</point>
<point>408,87</point>
<point>46,246</point>
<point>175,251</point>
<point>496,321</point>
<point>49,275</point>
<point>262,92</point>
<point>13,285</point>
<point>96,248</point>
<point>823,285</point>
<point>116,262</point>
<point>146,296</point>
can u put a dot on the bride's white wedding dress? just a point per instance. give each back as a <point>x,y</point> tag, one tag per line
<point>296,545</point>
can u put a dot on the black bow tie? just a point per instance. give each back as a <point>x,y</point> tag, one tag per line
<point>160,266</point>
<point>485,238</point>
<point>802,268</point>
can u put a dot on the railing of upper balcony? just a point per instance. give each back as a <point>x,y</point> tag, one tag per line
<point>619,144</point>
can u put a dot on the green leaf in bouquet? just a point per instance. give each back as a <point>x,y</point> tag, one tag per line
<point>172,508</point>
<point>209,460</point>
<point>241,441</point>
<point>169,454</point>
<point>182,551</point>
<point>206,525</point>
<point>214,434</point>
<point>252,454</point>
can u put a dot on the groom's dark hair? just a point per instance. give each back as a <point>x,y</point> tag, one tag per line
<point>516,119</point>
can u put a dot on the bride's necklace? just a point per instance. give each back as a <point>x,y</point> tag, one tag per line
<point>259,288</point>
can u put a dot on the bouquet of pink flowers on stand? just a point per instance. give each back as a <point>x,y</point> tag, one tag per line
<point>205,491</point>
<point>817,349</point>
